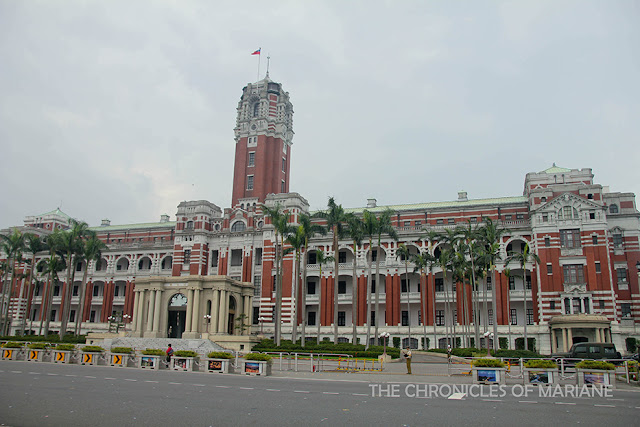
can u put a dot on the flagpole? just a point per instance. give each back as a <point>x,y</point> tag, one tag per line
<point>259,55</point>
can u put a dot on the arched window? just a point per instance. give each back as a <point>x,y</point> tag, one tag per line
<point>189,225</point>
<point>237,227</point>
<point>167,263</point>
<point>256,109</point>
<point>613,209</point>
<point>568,212</point>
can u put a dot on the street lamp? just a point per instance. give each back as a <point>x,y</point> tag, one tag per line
<point>126,319</point>
<point>384,336</point>
<point>207,320</point>
<point>261,320</point>
<point>488,335</point>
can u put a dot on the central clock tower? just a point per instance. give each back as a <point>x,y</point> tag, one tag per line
<point>263,135</point>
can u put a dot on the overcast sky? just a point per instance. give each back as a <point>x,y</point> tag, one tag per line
<point>122,109</point>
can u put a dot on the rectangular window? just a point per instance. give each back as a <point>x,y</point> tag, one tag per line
<point>53,315</point>
<point>626,309</point>
<point>403,285</point>
<point>342,287</point>
<point>573,273</point>
<point>507,217</point>
<point>570,239</point>
<point>75,291</point>
<point>577,306</point>
<point>187,256</point>
<point>79,266</point>
<point>249,182</point>
<point>440,317</point>
<point>373,317</point>
<point>257,286</point>
<point>545,217</point>
<point>311,288</point>
<point>622,275</point>
<point>547,242</point>
<point>252,159</point>
<point>284,164</point>
<point>514,316</point>
<point>214,258</point>
<point>439,284</point>
<point>451,221</point>
<point>455,316</point>
<point>592,215</point>
<point>256,316</point>
<point>519,216</point>
<point>490,316</point>
<point>598,268</point>
<point>282,186</point>
<point>311,260</point>
<point>311,318</point>
<point>258,256</point>
<point>405,318</point>
<point>374,255</point>
<point>528,282</point>
<point>418,223</point>
<point>549,269</point>
<point>601,304</point>
<point>373,286</point>
<point>96,290</point>
<point>342,256</point>
<point>407,223</point>
<point>440,221</point>
<point>488,283</point>
<point>512,283</point>
<point>342,318</point>
<point>473,220</point>
<point>617,240</point>
<point>594,239</point>
<point>72,316</point>
<point>529,316</point>
<point>56,291</point>
<point>552,305</point>
<point>116,291</point>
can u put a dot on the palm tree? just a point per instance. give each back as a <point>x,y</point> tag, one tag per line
<point>507,274</point>
<point>321,259</point>
<point>12,246</point>
<point>469,235</point>
<point>405,254</point>
<point>336,219</point>
<point>51,266</point>
<point>384,228</point>
<point>491,237</point>
<point>356,232</point>
<point>423,261</point>
<point>369,225</point>
<point>522,258</point>
<point>34,245</point>
<point>92,251</point>
<point>71,244</point>
<point>296,241</point>
<point>447,258</point>
<point>309,230</point>
<point>445,261</point>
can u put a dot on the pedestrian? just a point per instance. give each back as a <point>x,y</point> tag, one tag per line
<point>407,356</point>
<point>169,353</point>
<point>449,352</point>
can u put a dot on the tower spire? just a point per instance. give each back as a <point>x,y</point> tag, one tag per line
<point>268,60</point>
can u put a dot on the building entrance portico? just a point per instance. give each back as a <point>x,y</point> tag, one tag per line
<point>575,328</point>
<point>175,307</point>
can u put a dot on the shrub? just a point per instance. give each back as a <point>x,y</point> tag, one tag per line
<point>488,363</point>
<point>13,344</point>
<point>530,341</point>
<point>258,356</point>
<point>517,354</point>
<point>503,343</point>
<point>185,353</point>
<point>37,345</point>
<point>153,352</point>
<point>65,347</point>
<point>633,366</point>
<point>396,342</point>
<point>121,350</point>
<point>220,355</point>
<point>539,363</point>
<point>92,349</point>
<point>595,364</point>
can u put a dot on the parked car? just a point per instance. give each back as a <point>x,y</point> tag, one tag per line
<point>591,350</point>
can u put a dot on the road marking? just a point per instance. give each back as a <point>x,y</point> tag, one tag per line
<point>329,392</point>
<point>19,372</point>
<point>131,379</point>
<point>492,400</point>
<point>219,386</point>
<point>527,401</point>
<point>70,375</point>
<point>359,394</point>
<point>53,375</point>
<point>605,406</point>
<point>88,376</point>
<point>621,400</point>
<point>269,389</point>
<point>245,388</point>
<point>304,391</point>
<point>151,381</point>
<point>107,378</point>
<point>456,396</point>
<point>34,373</point>
<point>564,403</point>
<point>199,385</point>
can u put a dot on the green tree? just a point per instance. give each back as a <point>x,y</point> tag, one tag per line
<point>355,229</point>
<point>369,227</point>
<point>34,245</point>
<point>405,255</point>
<point>296,241</point>
<point>522,258</point>
<point>424,261</point>
<point>384,228</point>
<point>51,266</point>
<point>92,251</point>
<point>321,259</point>
<point>13,246</point>
<point>309,230</point>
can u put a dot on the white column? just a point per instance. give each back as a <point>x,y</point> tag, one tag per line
<point>222,308</point>
<point>189,310</point>
<point>569,337</point>
<point>554,345</point>
<point>136,306</point>
<point>152,304</point>
<point>156,313</point>
<point>564,340</point>
<point>196,319</point>
<point>215,308</point>
<point>139,316</point>
<point>247,311</point>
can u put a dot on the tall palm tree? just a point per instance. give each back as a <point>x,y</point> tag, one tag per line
<point>491,237</point>
<point>522,258</point>
<point>321,259</point>
<point>92,251</point>
<point>469,235</point>
<point>447,258</point>
<point>405,255</point>
<point>384,228</point>
<point>507,274</point>
<point>296,241</point>
<point>34,245</point>
<point>356,232</point>
<point>336,220</point>
<point>309,230</point>
<point>423,262</point>
<point>51,266</point>
<point>71,244</point>
<point>12,246</point>
<point>445,261</point>
<point>369,225</point>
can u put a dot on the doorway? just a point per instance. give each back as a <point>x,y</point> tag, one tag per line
<point>177,316</point>
<point>232,315</point>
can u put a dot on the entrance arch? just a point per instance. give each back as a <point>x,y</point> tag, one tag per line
<point>232,315</point>
<point>177,316</point>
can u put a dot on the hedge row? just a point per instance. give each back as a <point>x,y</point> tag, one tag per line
<point>54,338</point>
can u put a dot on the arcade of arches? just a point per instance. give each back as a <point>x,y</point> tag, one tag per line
<point>191,307</point>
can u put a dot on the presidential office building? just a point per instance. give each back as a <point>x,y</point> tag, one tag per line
<point>211,272</point>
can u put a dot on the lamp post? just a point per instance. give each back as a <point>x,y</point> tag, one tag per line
<point>261,320</point>
<point>207,320</point>
<point>126,319</point>
<point>488,335</point>
<point>385,338</point>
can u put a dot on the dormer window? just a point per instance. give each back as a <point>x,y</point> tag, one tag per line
<point>613,209</point>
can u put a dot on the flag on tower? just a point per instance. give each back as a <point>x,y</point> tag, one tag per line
<point>257,52</point>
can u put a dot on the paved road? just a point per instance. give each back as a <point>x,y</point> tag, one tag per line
<point>56,395</point>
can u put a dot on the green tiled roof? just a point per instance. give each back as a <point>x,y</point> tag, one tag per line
<point>556,169</point>
<point>109,228</point>
<point>56,211</point>
<point>449,204</point>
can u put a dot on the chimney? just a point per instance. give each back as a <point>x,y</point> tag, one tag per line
<point>462,196</point>
<point>105,223</point>
<point>372,203</point>
<point>164,218</point>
